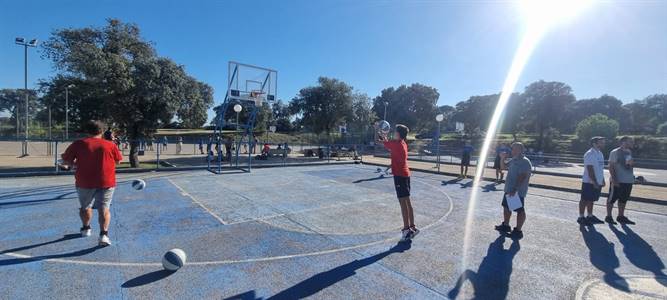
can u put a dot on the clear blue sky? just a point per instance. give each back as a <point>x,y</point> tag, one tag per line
<point>462,48</point>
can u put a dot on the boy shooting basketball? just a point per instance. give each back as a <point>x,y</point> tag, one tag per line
<point>399,167</point>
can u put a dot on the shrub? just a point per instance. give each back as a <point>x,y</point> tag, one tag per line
<point>662,129</point>
<point>597,125</point>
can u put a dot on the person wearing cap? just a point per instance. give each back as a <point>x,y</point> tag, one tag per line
<point>592,181</point>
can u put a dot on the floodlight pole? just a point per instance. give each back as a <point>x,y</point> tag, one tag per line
<point>439,118</point>
<point>67,110</point>
<point>385,110</point>
<point>32,43</point>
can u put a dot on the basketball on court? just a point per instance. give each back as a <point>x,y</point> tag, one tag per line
<point>138,184</point>
<point>174,259</point>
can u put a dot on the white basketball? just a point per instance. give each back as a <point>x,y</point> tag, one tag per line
<point>138,184</point>
<point>174,259</point>
<point>384,127</point>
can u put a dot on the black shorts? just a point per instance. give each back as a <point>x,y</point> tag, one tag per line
<point>496,162</point>
<point>402,185</point>
<point>523,203</point>
<point>589,192</point>
<point>620,192</point>
<point>465,160</point>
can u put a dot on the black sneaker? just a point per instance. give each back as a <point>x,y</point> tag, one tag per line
<point>610,220</point>
<point>503,228</point>
<point>583,221</point>
<point>624,220</point>
<point>517,234</point>
<point>594,220</point>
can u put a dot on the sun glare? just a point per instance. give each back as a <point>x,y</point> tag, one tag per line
<point>547,13</point>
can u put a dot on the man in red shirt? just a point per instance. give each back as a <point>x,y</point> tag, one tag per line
<point>399,167</point>
<point>95,159</point>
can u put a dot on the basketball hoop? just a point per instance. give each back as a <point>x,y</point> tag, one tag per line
<point>258,96</point>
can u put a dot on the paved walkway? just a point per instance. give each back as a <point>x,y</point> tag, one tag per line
<point>558,182</point>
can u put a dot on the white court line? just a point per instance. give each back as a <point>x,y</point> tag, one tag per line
<point>249,260</point>
<point>184,193</point>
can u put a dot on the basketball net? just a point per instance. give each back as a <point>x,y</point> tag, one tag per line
<point>258,97</point>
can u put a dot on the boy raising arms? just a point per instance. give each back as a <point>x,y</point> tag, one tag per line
<point>398,148</point>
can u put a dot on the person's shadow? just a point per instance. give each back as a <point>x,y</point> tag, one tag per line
<point>492,279</point>
<point>371,179</point>
<point>639,252</point>
<point>147,278</point>
<point>602,256</point>
<point>451,181</point>
<point>325,279</point>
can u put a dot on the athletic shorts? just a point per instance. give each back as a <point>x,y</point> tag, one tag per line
<point>496,162</point>
<point>465,160</point>
<point>402,185</point>
<point>620,192</point>
<point>523,203</point>
<point>95,198</point>
<point>589,192</point>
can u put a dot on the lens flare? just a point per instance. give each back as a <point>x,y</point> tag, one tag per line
<point>540,16</point>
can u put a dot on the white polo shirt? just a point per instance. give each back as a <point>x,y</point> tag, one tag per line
<point>594,157</point>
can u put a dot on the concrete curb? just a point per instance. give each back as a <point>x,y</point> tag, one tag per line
<point>536,185</point>
<point>658,184</point>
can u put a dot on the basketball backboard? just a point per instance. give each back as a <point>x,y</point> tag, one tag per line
<point>251,83</point>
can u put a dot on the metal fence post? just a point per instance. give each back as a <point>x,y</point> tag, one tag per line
<point>55,156</point>
<point>157,160</point>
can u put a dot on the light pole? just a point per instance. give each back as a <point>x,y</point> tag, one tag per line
<point>237,108</point>
<point>67,110</point>
<point>438,119</point>
<point>33,43</point>
<point>385,110</point>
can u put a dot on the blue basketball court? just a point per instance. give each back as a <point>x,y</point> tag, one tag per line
<point>327,232</point>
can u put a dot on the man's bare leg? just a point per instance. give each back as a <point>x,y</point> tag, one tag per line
<point>404,213</point>
<point>621,208</point>
<point>520,219</point>
<point>507,214</point>
<point>86,214</point>
<point>104,218</point>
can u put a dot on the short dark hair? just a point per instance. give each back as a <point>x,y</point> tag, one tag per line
<point>93,127</point>
<point>402,131</point>
<point>519,144</point>
<point>625,138</point>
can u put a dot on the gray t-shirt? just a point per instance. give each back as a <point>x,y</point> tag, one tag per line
<point>517,166</point>
<point>624,173</point>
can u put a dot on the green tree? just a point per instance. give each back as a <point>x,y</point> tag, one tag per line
<point>413,106</point>
<point>605,104</point>
<point>475,113</point>
<point>281,117</point>
<point>648,113</point>
<point>546,104</point>
<point>597,125</point>
<point>362,115</point>
<point>325,106</point>
<point>12,101</point>
<point>662,129</point>
<point>124,81</point>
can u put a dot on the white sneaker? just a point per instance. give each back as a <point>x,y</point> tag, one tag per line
<point>86,232</point>
<point>414,232</point>
<point>405,235</point>
<point>104,240</point>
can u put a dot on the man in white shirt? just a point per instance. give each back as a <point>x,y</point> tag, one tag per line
<point>592,181</point>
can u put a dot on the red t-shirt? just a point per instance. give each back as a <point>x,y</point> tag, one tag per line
<point>399,157</point>
<point>95,160</point>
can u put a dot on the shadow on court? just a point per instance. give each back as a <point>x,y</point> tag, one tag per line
<point>603,257</point>
<point>371,179</point>
<point>62,239</point>
<point>491,281</point>
<point>147,278</point>
<point>16,261</point>
<point>639,252</point>
<point>318,282</point>
<point>14,204</point>
<point>451,181</point>
<point>249,295</point>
